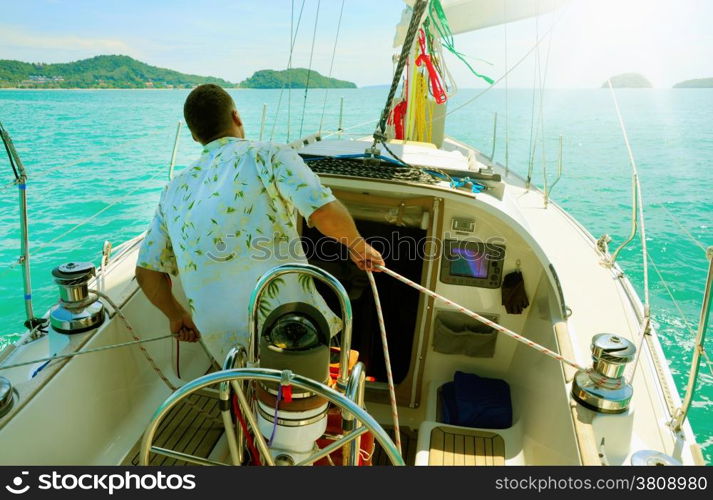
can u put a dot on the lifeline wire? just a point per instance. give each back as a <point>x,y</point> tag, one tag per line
<point>309,68</point>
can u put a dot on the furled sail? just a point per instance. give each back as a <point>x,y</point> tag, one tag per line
<point>471,15</point>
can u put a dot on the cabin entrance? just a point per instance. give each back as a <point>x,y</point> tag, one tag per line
<point>402,248</point>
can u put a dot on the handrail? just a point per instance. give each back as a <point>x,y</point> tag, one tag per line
<point>175,150</point>
<point>698,347</point>
<point>548,189</point>
<point>637,208</point>
<point>21,181</point>
<point>324,277</point>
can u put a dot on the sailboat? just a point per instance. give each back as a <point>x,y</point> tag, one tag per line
<point>506,335</point>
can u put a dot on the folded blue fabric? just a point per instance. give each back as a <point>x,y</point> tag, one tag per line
<point>473,401</point>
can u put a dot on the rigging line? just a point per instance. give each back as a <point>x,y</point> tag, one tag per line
<point>87,351</point>
<point>92,217</point>
<point>686,232</point>
<point>9,153</point>
<point>708,361</point>
<point>86,159</point>
<point>507,96</point>
<point>289,73</point>
<point>309,68</point>
<point>416,15</point>
<point>533,139</point>
<point>683,317</point>
<point>8,185</point>
<point>331,66</point>
<point>639,201</point>
<point>510,70</point>
<point>543,76</point>
<point>362,124</point>
<point>666,286</point>
<point>293,39</point>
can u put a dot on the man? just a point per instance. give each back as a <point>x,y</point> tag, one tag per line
<point>228,218</point>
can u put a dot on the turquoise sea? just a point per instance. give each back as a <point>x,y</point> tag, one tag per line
<point>90,151</point>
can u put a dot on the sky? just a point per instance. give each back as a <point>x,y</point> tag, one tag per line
<point>585,42</point>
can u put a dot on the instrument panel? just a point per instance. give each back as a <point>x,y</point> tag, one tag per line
<point>472,263</point>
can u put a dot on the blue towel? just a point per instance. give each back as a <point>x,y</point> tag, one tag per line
<point>473,401</point>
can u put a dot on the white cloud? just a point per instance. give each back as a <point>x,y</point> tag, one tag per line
<point>46,48</point>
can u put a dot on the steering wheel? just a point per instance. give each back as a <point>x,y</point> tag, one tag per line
<point>349,408</point>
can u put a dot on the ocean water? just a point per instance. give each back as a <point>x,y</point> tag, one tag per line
<point>95,151</point>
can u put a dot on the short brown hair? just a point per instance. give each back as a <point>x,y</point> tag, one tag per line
<point>208,111</point>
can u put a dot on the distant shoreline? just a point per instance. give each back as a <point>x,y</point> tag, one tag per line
<point>155,90</point>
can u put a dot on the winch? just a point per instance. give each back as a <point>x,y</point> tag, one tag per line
<point>604,388</point>
<point>77,310</point>
<point>294,337</point>
<point>7,396</point>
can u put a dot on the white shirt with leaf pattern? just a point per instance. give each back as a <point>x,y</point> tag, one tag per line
<point>224,221</point>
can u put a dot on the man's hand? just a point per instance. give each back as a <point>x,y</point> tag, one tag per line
<point>333,220</point>
<point>184,328</point>
<point>365,256</point>
<point>157,288</point>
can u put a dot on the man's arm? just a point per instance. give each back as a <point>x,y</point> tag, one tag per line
<point>157,288</point>
<point>333,220</point>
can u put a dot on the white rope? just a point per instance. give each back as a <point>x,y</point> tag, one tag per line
<point>708,360</point>
<point>484,320</point>
<point>331,66</point>
<point>95,215</point>
<point>148,357</point>
<point>293,39</point>
<point>685,231</point>
<point>86,159</point>
<point>85,351</point>
<point>309,68</point>
<point>514,66</point>
<point>639,201</point>
<point>387,361</point>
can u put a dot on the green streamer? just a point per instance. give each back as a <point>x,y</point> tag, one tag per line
<point>438,18</point>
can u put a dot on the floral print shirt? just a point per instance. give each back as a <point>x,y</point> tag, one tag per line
<point>223,222</point>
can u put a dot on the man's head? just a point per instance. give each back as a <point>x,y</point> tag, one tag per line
<point>210,114</point>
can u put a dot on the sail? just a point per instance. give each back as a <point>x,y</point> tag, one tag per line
<point>471,15</point>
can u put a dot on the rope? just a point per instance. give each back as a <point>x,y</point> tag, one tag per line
<point>85,351</point>
<point>639,201</point>
<point>483,320</point>
<point>94,157</point>
<point>331,66</point>
<point>98,213</point>
<point>387,361</point>
<point>418,10</point>
<point>685,231</point>
<point>293,39</point>
<point>510,70</point>
<point>148,357</point>
<point>309,67</point>
<point>708,361</point>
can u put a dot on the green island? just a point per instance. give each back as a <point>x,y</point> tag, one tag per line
<point>628,81</point>
<point>294,78</point>
<point>124,72</point>
<point>111,72</point>
<point>698,83</point>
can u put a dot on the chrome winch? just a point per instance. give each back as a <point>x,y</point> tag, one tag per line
<point>78,310</point>
<point>604,388</point>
